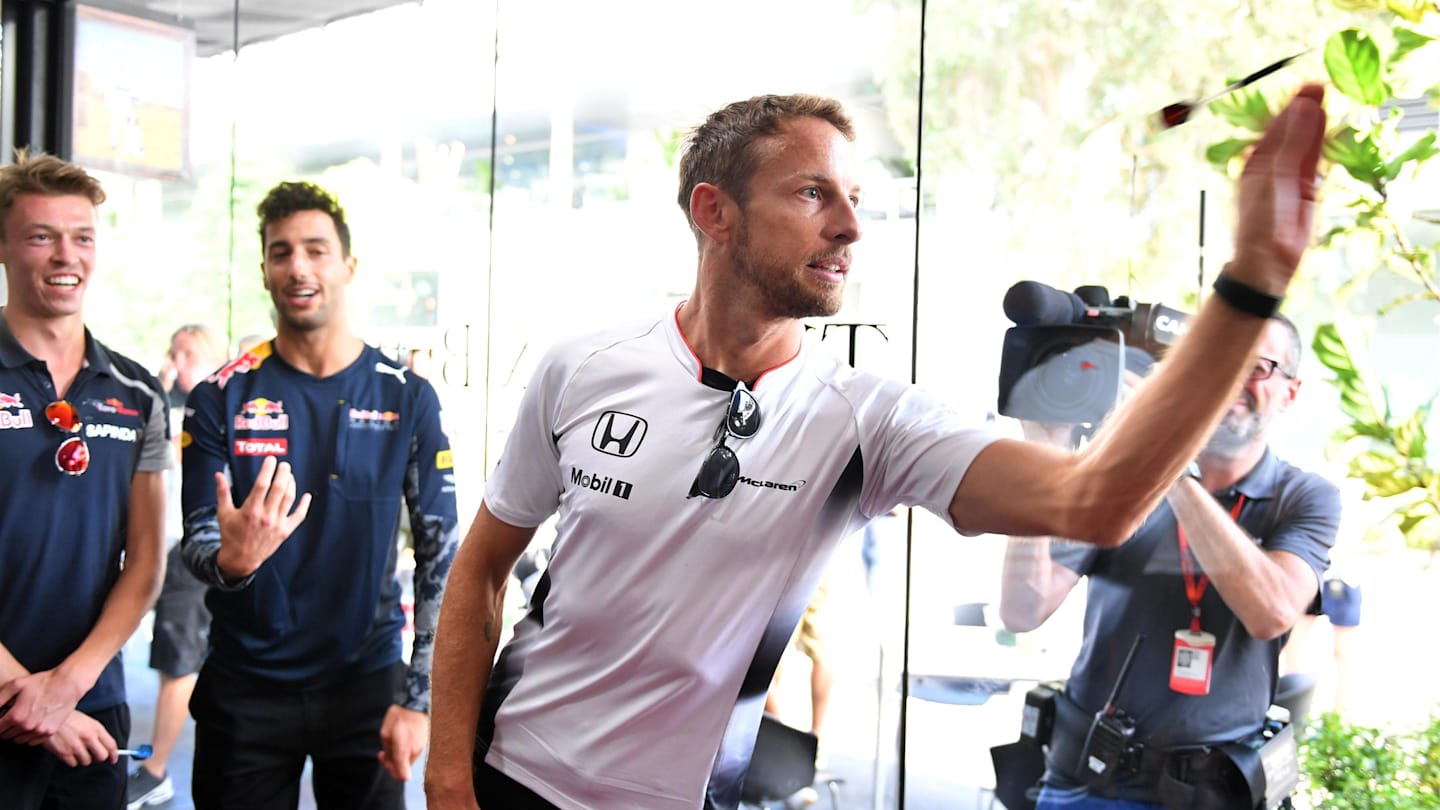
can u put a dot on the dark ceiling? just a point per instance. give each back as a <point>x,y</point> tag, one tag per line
<point>214,20</point>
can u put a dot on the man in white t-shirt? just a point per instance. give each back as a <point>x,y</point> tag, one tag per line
<point>705,464</point>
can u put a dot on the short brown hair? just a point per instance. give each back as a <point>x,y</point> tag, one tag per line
<point>291,197</point>
<point>725,150</point>
<point>39,173</point>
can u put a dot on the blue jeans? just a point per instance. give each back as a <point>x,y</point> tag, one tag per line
<point>1080,799</point>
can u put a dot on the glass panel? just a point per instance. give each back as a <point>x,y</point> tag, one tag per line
<point>1042,162</point>
<point>407,152</point>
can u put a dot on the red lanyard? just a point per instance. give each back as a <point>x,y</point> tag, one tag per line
<point>1195,588</point>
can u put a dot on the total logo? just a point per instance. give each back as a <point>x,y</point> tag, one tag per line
<point>604,484</point>
<point>261,447</point>
<point>20,419</point>
<point>262,414</point>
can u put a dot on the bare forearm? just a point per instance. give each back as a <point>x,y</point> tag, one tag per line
<point>1143,448</point>
<point>1032,584</point>
<point>136,588</point>
<point>1265,590</point>
<point>465,646</point>
<point>134,594</point>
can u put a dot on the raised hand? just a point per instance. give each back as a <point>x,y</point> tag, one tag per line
<point>1276,195</point>
<point>251,532</point>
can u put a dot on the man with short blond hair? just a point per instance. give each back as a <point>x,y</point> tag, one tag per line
<point>83,436</point>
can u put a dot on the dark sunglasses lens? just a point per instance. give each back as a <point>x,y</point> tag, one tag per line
<point>718,475</point>
<point>73,457</point>
<point>63,416</point>
<point>743,417</point>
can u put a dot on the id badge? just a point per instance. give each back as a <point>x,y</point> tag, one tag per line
<point>1191,663</point>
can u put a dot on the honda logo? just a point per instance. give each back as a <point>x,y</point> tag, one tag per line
<point>618,434</point>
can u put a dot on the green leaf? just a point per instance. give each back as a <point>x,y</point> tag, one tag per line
<point>1407,40</point>
<point>1220,154</point>
<point>1353,61</point>
<point>1356,398</point>
<point>1247,109</point>
<point>1358,155</point>
<point>1420,151</point>
<point>1412,10</point>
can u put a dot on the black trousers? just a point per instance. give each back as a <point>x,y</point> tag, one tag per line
<point>32,778</point>
<point>252,739</point>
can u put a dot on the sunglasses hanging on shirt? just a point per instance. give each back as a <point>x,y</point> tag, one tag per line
<point>720,470</point>
<point>72,457</point>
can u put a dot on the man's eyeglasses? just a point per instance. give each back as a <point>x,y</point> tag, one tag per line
<point>73,456</point>
<point>1264,367</point>
<point>720,470</point>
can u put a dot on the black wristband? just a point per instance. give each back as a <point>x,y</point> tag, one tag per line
<point>1245,298</point>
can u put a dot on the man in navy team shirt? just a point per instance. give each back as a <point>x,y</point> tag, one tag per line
<point>84,439</point>
<point>296,457</point>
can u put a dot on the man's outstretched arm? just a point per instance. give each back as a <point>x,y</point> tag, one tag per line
<point>465,646</point>
<point>1104,492</point>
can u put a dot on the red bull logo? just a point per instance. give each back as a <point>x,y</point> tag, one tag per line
<point>262,414</point>
<point>373,419</point>
<point>21,416</point>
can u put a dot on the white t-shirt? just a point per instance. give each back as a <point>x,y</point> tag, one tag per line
<point>644,666</point>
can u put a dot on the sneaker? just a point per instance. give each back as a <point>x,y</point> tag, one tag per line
<point>145,790</point>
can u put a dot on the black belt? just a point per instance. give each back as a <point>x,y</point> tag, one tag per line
<point>1144,764</point>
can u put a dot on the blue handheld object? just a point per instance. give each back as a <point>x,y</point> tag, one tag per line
<point>141,752</point>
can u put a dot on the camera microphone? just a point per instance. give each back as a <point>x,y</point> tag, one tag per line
<point>1030,303</point>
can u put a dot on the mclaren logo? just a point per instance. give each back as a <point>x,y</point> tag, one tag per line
<point>793,486</point>
<point>618,434</point>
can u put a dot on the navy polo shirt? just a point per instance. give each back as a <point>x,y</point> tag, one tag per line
<point>62,537</point>
<point>1139,588</point>
<point>326,605</point>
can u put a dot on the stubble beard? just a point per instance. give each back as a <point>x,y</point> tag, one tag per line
<point>310,322</point>
<point>1237,432</point>
<point>783,288</point>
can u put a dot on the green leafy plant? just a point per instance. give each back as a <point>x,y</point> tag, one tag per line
<point>1366,203</point>
<point>1354,767</point>
<point>1387,452</point>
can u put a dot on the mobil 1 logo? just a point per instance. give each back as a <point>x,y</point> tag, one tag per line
<point>601,483</point>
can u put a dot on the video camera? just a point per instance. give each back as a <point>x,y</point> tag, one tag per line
<point>1065,359</point>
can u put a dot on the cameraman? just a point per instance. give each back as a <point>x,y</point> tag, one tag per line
<point>1228,581</point>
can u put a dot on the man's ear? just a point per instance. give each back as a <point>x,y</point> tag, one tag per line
<point>264,277</point>
<point>715,212</point>
<point>1292,390</point>
<point>351,264</point>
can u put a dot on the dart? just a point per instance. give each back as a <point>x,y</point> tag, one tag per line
<point>1173,115</point>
